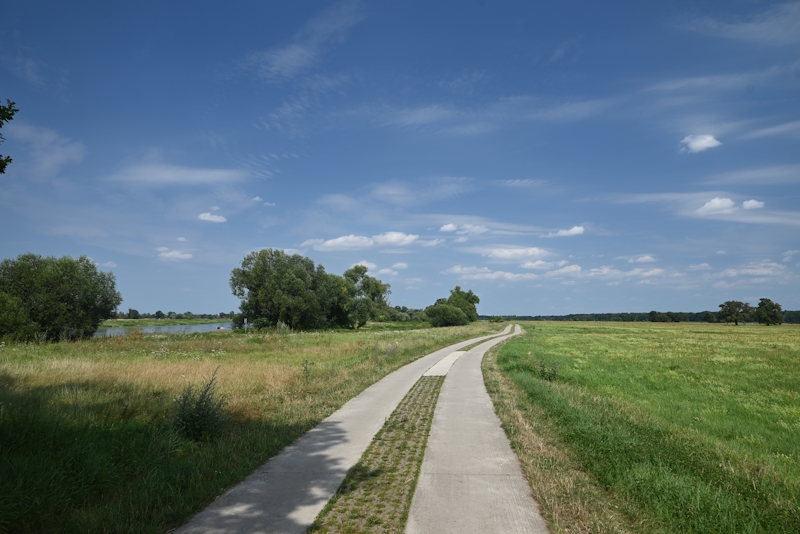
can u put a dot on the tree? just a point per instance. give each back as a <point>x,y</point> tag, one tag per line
<point>708,317</point>
<point>159,314</point>
<point>768,312</point>
<point>64,298</point>
<point>7,113</point>
<point>133,314</point>
<point>446,315</point>
<point>465,301</point>
<point>371,295</point>
<point>733,311</point>
<point>277,287</point>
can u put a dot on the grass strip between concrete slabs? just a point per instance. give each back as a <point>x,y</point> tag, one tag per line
<point>376,494</point>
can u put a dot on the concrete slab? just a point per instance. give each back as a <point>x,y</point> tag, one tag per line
<point>471,480</point>
<point>444,365</point>
<point>287,493</point>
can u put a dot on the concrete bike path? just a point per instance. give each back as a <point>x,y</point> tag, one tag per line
<point>287,493</point>
<point>471,480</point>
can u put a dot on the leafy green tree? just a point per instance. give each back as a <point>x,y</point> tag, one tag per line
<point>159,314</point>
<point>446,315</point>
<point>708,317</point>
<point>768,312</point>
<point>7,113</point>
<point>733,311</point>
<point>14,320</point>
<point>371,295</point>
<point>64,298</point>
<point>291,289</point>
<point>133,314</point>
<point>465,301</point>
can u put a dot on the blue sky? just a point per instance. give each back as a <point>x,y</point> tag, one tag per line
<point>566,158</point>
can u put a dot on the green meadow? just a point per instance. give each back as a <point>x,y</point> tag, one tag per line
<point>645,427</point>
<point>88,435</point>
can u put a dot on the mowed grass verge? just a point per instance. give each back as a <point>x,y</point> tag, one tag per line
<point>655,428</point>
<point>87,441</point>
<point>376,494</point>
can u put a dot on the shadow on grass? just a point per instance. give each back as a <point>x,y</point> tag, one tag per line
<point>99,455</point>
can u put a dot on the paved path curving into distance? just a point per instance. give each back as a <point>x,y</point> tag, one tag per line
<point>286,494</point>
<point>471,480</point>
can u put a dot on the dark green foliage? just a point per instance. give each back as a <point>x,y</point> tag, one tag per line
<point>733,311</point>
<point>201,411</point>
<point>446,315</point>
<point>768,312</point>
<point>709,317</point>
<point>277,287</point>
<point>7,113</point>
<point>464,301</point>
<point>14,321</point>
<point>548,371</point>
<point>64,298</point>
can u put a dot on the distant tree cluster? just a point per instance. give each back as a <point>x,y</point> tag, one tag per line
<point>767,313</point>
<point>50,299</point>
<point>134,314</point>
<point>276,287</point>
<point>456,310</point>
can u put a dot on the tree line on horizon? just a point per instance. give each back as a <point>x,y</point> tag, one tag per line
<point>730,312</point>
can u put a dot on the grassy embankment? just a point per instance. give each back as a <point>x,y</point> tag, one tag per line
<point>86,435</point>
<point>655,428</point>
<point>110,323</point>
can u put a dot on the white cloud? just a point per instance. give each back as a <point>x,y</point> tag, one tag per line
<point>369,265</point>
<point>449,228</point>
<point>172,255</point>
<point>181,239</point>
<point>346,242</point>
<point>717,206</point>
<point>763,268</point>
<point>398,239</point>
<point>575,230</point>
<point>462,239</point>
<point>212,218</point>
<point>538,264</point>
<point>431,242</point>
<point>269,203</point>
<point>517,253</point>
<point>109,264</point>
<point>400,265</point>
<point>700,267</point>
<point>526,183</point>
<point>698,143</point>
<point>257,199</point>
<point>646,258</point>
<point>721,252</point>
<point>484,273</point>
<point>388,271</point>
<point>214,208</point>
<point>752,204</point>
<point>49,151</point>
<point>161,175</point>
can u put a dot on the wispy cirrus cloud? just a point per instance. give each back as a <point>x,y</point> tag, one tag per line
<point>164,175</point>
<point>778,174</point>
<point>286,62</point>
<point>49,151</point>
<point>780,129</point>
<point>777,25</point>
<point>172,255</point>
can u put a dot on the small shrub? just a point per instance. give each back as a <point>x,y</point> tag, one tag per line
<point>446,315</point>
<point>201,411</point>
<point>547,371</point>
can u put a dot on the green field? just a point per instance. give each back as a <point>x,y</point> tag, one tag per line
<point>87,435</point>
<point>655,428</point>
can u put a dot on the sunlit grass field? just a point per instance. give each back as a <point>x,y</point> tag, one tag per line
<point>656,427</point>
<point>87,441</point>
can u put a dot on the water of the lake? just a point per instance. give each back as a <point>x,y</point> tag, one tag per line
<point>170,329</point>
